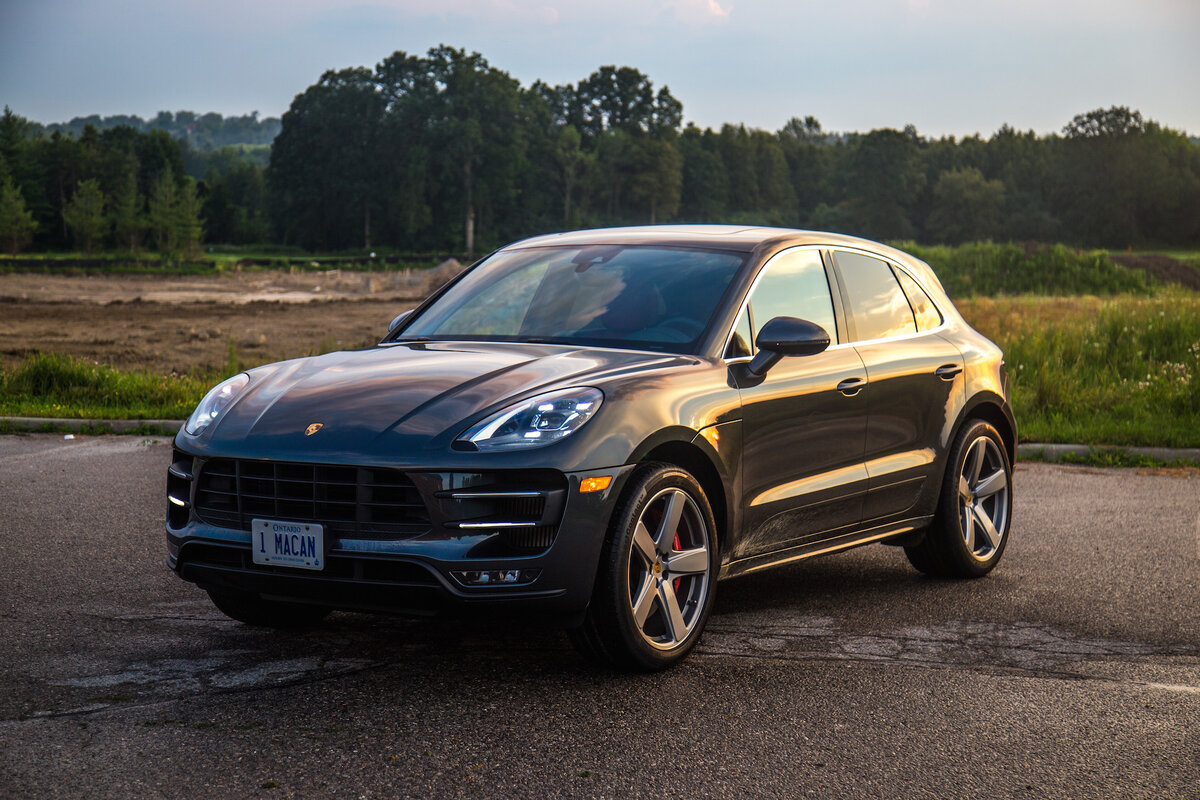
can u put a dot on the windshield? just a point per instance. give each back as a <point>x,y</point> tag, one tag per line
<point>656,298</point>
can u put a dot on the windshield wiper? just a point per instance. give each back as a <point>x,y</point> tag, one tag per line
<point>544,340</point>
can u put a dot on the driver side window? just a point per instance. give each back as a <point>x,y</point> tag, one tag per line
<point>793,285</point>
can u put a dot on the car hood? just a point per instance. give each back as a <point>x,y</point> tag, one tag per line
<point>407,397</point>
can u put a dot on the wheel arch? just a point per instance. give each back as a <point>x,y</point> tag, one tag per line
<point>993,410</point>
<point>691,458</point>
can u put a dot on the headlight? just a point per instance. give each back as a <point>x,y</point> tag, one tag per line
<point>216,401</point>
<point>535,422</point>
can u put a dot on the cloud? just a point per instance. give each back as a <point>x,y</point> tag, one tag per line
<point>716,10</point>
<point>698,12</point>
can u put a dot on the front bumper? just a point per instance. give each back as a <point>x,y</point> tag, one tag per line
<point>418,572</point>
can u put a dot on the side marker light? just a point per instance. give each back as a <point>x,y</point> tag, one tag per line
<point>595,484</point>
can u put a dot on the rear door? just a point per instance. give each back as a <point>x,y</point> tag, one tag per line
<point>914,374</point>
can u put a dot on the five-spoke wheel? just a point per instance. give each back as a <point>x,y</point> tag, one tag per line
<point>657,574</point>
<point>970,530</point>
<point>668,569</point>
<point>983,498</point>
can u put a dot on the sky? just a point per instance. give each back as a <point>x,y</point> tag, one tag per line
<point>949,67</point>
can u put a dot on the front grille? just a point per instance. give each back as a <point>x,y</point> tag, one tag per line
<point>352,502</point>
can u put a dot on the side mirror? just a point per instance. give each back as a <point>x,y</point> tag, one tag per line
<point>395,323</point>
<point>787,336</point>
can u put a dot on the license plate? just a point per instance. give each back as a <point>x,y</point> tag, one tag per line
<point>288,544</point>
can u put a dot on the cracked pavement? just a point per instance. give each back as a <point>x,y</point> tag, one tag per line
<point>1072,671</point>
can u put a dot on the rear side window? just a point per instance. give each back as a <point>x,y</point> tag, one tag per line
<point>879,307</point>
<point>928,317</point>
<point>794,285</point>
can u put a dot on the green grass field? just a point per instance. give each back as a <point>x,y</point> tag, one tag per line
<point>51,385</point>
<point>1123,370</point>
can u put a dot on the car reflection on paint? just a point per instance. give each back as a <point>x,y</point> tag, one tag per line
<point>597,427</point>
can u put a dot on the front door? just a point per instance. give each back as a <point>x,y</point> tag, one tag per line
<point>803,475</point>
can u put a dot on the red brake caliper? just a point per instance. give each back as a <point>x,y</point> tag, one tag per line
<point>678,545</point>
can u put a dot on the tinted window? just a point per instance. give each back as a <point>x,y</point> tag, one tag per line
<point>657,297</point>
<point>794,285</point>
<point>880,309</point>
<point>928,317</point>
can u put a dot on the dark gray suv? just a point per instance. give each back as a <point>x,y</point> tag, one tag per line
<point>599,426</point>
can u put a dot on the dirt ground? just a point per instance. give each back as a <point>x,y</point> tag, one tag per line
<point>1165,268</point>
<point>186,324</point>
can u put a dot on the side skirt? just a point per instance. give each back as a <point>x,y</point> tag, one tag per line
<point>903,529</point>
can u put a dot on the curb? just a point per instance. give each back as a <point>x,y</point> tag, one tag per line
<point>1054,452</point>
<point>149,427</point>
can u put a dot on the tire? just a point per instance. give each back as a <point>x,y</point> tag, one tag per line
<point>970,529</point>
<point>253,610</point>
<point>656,579</point>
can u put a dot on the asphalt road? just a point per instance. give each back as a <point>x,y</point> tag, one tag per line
<point>1073,671</point>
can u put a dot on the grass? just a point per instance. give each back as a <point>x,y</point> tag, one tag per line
<point>987,268</point>
<point>1123,370</point>
<point>52,385</point>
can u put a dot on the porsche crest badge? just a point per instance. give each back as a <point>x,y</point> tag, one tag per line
<point>311,429</point>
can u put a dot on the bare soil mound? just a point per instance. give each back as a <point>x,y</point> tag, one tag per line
<point>1165,268</point>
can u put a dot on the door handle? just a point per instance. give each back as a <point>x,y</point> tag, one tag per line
<point>851,386</point>
<point>947,372</point>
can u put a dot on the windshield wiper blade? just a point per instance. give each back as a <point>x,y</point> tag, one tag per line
<point>544,340</point>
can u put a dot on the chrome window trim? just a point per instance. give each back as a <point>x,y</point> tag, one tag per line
<point>840,345</point>
<point>901,336</point>
<point>848,249</point>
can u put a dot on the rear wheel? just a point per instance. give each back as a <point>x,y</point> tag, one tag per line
<point>970,530</point>
<point>253,610</point>
<point>657,574</point>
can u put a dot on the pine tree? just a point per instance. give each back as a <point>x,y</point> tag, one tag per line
<point>16,223</point>
<point>189,228</point>
<point>161,217</point>
<point>84,214</point>
<point>126,214</point>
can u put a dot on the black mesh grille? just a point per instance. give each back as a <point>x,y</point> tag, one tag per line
<point>355,502</point>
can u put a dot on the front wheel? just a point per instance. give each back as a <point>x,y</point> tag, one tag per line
<point>657,574</point>
<point>970,531</point>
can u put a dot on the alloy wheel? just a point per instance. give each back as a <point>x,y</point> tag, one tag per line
<point>983,498</point>
<point>669,569</point>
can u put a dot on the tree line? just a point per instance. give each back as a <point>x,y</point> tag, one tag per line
<point>198,131</point>
<point>445,152</point>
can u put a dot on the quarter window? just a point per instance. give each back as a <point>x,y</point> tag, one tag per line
<point>928,317</point>
<point>879,307</point>
<point>741,342</point>
<point>794,285</point>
